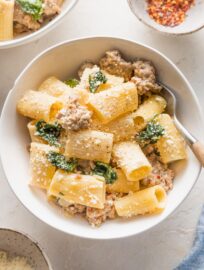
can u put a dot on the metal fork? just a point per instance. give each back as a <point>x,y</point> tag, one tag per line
<point>196,146</point>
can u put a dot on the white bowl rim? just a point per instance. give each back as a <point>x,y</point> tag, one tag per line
<point>36,243</point>
<point>39,33</point>
<point>113,38</point>
<point>137,14</point>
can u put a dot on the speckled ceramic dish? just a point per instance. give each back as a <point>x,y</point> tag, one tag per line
<point>193,22</point>
<point>19,244</point>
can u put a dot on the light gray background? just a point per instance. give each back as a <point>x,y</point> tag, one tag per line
<point>160,248</point>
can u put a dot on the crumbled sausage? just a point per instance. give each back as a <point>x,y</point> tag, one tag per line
<point>93,215</point>
<point>75,116</point>
<point>97,216</point>
<point>24,19</point>
<point>72,209</point>
<point>24,22</point>
<point>114,64</point>
<point>145,77</point>
<point>51,7</point>
<point>161,174</point>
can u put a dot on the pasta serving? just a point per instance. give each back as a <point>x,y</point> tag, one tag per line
<point>23,16</point>
<point>101,145</point>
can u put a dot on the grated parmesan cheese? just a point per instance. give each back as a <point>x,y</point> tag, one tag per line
<point>13,263</point>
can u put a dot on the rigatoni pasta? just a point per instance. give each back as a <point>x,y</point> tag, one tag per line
<point>90,145</point>
<point>37,105</point>
<point>41,170</point>
<point>171,146</point>
<point>148,110</point>
<point>93,150</point>
<point>104,103</point>
<point>76,188</point>
<point>146,201</point>
<point>6,19</point>
<point>131,160</point>
<point>122,185</point>
<point>123,128</point>
<point>54,87</point>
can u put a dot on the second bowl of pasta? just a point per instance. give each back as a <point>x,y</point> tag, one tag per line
<point>91,142</point>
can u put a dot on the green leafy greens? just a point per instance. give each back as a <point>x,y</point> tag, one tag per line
<point>58,160</point>
<point>106,171</point>
<point>95,80</point>
<point>151,134</point>
<point>72,82</point>
<point>32,7</point>
<point>49,132</point>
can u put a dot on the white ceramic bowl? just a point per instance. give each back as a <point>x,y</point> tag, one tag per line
<point>32,36</point>
<point>16,243</point>
<point>193,22</point>
<point>63,61</point>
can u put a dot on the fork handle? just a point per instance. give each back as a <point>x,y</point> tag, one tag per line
<point>198,150</point>
<point>196,146</point>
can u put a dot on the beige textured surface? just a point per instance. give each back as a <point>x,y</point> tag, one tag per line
<point>160,248</point>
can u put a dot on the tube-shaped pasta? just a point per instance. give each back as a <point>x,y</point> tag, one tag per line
<point>6,19</point>
<point>146,201</point>
<point>77,93</point>
<point>89,144</point>
<point>131,160</point>
<point>38,105</point>
<point>54,87</point>
<point>171,146</point>
<point>152,106</point>
<point>32,129</point>
<point>77,188</point>
<point>110,104</point>
<point>41,169</point>
<point>123,128</point>
<point>122,185</point>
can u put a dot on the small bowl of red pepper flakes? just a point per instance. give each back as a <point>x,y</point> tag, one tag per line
<point>170,16</point>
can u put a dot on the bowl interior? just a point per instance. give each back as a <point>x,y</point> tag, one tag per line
<point>17,244</point>
<point>63,61</point>
<point>47,26</point>
<point>194,20</point>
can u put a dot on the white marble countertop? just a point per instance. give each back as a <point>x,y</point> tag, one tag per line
<point>160,248</point>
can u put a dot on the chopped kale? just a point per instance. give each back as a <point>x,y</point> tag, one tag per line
<point>32,7</point>
<point>58,160</point>
<point>106,171</point>
<point>95,80</point>
<point>49,132</point>
<point>72,82</point>
<point>151,134</point>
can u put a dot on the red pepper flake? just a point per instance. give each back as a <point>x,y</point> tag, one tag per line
<point>169,12</point>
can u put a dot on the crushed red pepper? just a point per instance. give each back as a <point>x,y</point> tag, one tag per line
<point>169,12</point>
